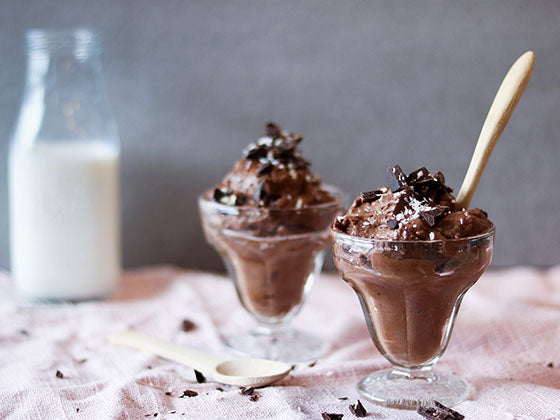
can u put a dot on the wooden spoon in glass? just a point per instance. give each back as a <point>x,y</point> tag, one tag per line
<point>506,100</point>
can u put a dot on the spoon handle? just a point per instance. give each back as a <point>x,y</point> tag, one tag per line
<point>198,360</point>
<point>506,100</point>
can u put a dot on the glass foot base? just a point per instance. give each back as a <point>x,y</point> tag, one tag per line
<point>398,391</point>
<point>286,345</point>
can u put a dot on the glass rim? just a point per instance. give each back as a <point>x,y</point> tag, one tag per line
<point>339,194</point>
<point>481,236</point>
<point>81,39</point>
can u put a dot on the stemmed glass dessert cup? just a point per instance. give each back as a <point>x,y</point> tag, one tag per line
<point>410,292</point>
<point>273,256</point>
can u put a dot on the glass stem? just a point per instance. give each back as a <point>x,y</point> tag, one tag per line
<point>424,373</point>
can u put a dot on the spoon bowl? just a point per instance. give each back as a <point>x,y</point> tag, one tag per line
<point>260,371</point>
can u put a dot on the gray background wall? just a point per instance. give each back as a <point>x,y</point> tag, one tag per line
<point>369,83</point>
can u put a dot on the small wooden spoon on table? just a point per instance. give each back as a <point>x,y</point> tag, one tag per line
<point>506,100</point>
<point>226,370</point>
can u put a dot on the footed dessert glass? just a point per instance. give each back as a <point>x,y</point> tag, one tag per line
<point>273,257</point>
<point>410,292</point>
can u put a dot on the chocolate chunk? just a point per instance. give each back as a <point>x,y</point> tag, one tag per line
<point>59,374</point>
<point>371,196</point>
<point>254,397</point>
<point>342,398</point>
<point>358,409</point>
<point>341,223</point>
<point>550,365</point>
<point>168,393</point>
<point>331,416</point>
<point>265,169</point>
<point>396,179</point>
<point>247,391</point>
<point>431,216</point>
<point>189,393</point>
<point>392,223</point>
<point>200,378</point>
<point>155,414</point>
<point>312,364</point>
<point>400,206</point>
<point>187,325</point>
<point>219,194</point>
<point>240,200</point>
<point>439,412</point>
<point>418,175</point>
<point>272,130</point>
<point>256,152</point>
<point>260,192</point>
<point>77,410</point>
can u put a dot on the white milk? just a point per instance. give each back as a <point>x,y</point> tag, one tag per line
<point>64,219</point>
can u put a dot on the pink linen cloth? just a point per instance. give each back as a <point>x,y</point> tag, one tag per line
<point>506,336</point>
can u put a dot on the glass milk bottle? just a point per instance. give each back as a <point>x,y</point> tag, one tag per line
<point>64,173</point>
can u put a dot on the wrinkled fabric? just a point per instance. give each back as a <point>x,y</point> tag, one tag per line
<point>506,344</point>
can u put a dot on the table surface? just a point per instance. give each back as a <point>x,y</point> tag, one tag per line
<point>506,344</point>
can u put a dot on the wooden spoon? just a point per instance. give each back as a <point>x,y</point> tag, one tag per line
<point>506,100</point>
<point>238,372</point>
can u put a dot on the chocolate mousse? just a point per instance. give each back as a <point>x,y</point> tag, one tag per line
<point>411,253</point>
<point>269,219</point>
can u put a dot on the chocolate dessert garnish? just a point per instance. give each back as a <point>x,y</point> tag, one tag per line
<point>168,393</point>
<point>341,223</point>
<point>272,130</point>
<point>418,175</point>
<point>255,152</point>
<point>396,179</point>
<point>431,216</point>
<point>312,364</point>
<point>342,398</point>
<point>260,192</point>
<point>187,325</point>
<point>358,409</point>
<point>23,332</point>
<point>189,393</point>
<point>247,391</point>
<point>59,374</point>
<point>254,397</point>
<point>200,378</point>
<point>439,412</point>
<point>219,194</point>
<point>371,196</point>
<point>331,416</point>
<point>550,365</point>
<point>392,223</point>
<point>265,169</point>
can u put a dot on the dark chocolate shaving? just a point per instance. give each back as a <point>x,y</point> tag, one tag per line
<point>265,169</point>
<point>219,388</point>
<point>439,412</point>
<point>396,179</point>
<point>168,393</point>
<point>371,196</point>
<point>342,398</point>
<point>431,216</point>
<point>550,365</point>
<point>400,206</point>
<point>392,223</point>
<point>219,194</point>
<point>272,130</point>
<point>312,364</point>
<point>200,378</point>
<point>341,223</point>
<point>260,192</point>
<point>358,409</point>
<point>331,416</point>
<point>189,393</point>
<point>247,391</point>
<point>59,374</point>
<point>418,175</point>
<point>187,325</point>
<point>23,332</point>
<point>256,152</point>
<point>254,397</point>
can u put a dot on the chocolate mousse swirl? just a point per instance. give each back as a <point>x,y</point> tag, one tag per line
<point>417,206</point>
<point>272,173</point>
